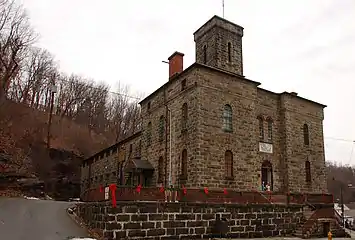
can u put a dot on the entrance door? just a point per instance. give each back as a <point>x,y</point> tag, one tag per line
<point>266,174</point>
<point>326,229</point>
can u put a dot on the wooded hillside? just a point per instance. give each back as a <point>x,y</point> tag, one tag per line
<point>86,115</point>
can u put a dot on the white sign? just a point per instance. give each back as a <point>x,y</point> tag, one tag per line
<point>107,191</point>
<point>265,147</point>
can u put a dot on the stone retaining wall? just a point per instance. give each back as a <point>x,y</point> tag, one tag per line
<point>155,220</point>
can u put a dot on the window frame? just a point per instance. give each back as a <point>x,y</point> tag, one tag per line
<point>228,163</point>
<point>270,127</point>
<point>184,160</point>
<point>149,134</point>
<point>184,117</point>
<point>229,52</point>
<point>308,172</point>
<point>306,139</point>
<point>160,170</point>
<point>161,129</point>
<point>227,117</point>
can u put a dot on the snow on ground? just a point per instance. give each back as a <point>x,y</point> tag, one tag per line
<point>31,198</point>
<point>83,239</point>
<point>48,197</point>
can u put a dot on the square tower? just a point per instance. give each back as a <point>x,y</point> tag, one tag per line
<point>219,44</point>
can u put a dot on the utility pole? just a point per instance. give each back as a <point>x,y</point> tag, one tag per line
<point>223,7</point>
<point>53,90</point>
<point>342,205</point>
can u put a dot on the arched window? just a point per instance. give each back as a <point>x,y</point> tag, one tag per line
<point>269,129</point>
<point>228,158</point>
<point>205,54</point>
<point>161,170</point>
<point>184,163</point>
<point>149,133</point>
<point>261,127</point>
<point>305,135</point>
<point>308,171</point>
<point>184,116</point>
<point>227,118</point>
<point>229,52</point>
<point>161,128</point>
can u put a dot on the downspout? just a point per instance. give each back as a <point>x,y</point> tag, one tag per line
<point>170,160</point>
<point>166,139</point>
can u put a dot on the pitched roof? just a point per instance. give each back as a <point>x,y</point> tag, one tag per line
<point>138,163</point>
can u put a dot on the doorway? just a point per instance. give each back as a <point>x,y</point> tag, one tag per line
<point>266,174</point>
<point>326,229</point>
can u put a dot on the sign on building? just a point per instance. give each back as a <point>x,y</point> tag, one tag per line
<point>107,192</point>
<point>265,147</point>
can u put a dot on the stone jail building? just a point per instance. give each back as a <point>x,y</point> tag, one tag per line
<point>210,126</point>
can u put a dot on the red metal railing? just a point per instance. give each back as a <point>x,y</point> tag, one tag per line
<point>124,193</point>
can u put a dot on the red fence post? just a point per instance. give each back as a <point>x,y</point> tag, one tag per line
<point>113,192</point>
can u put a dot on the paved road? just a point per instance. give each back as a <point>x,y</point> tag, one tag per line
<point>23,219</point>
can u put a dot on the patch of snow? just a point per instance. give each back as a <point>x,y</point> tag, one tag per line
<point>83,239</point>
<point>48,197</point>
<point>31,198</point>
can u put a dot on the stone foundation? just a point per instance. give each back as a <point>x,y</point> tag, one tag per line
<point>154,220</point>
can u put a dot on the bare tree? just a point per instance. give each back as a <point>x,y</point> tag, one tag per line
<point>16,35</point>
<point>37,73</point>
<point>73,91</point>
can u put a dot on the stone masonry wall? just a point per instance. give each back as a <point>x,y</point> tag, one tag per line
<point>215,35</point>
<point>175,97</point>
<point>215,91</point>
<point>186,221</point>
<point>268,107</point>
<point>104,168</point>
<point>297,112</point>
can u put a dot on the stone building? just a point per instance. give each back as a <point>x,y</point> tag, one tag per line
<point>209,125</point>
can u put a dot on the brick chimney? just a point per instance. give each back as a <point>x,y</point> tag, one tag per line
<point>176,63</point>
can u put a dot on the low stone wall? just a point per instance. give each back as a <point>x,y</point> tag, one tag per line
<point>154,220</point>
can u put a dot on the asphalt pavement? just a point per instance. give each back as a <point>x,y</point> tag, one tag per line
<point>27,219</point>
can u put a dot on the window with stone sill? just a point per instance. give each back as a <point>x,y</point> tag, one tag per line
<point>161,128</point>
<point>261,127</point>
<point>229,52</point>
<point>161,170</point>
<point>183,84</point>
<point>228,158</point>
<point>269,129</point>
<point>184,117</point>
<point>305,135</point>
<point>148,106</point>
<point>308,171</point>
<point>227,118</point>
<point>183,164</point>
<point>149,134</point>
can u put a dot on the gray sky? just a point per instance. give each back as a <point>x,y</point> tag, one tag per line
<point>306,46</point>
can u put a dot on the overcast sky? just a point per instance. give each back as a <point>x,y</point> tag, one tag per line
<point>306,46</point>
